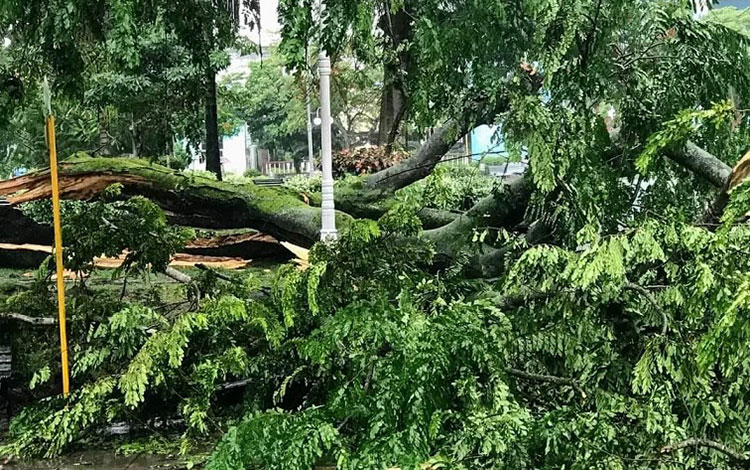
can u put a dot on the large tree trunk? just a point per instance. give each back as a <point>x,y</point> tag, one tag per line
<point>397,27</point>
<point>213,156</point>
<point>392,106</point>
<point>187,200</point>
<point>422,163</point>
<point>201,202</point>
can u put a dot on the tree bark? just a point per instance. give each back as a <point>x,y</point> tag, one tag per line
<point>505,209</point>
<point>213,156</point>
<point>419,166</point>
<point>200,202</point>
<point>392,107</point>
<point>187,200</point>
<point>398,30</point>
<point>702,164</point>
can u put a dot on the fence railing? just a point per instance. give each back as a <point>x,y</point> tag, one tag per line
<point>284,167</point>
<point>455,160</point>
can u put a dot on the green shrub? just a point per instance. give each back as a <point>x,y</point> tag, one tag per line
<point>180,161</point>
<point>304,184</point>
<point>200,174</point>
<point>234,178</point>
<point>495,159</point>
<point>449,188</point>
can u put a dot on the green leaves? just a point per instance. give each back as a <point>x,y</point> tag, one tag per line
<point>678,130</point>
<point>101,228</point>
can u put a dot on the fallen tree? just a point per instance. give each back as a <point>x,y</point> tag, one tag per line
<point>200,202</point>
<point>188,200</point>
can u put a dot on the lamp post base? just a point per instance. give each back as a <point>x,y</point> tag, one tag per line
<point>329,235</point>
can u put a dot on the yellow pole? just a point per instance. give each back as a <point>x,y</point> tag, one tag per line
<point>58,252</point>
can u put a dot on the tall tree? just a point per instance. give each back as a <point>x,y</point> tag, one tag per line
<point>66,39</point>
<point>397,27</point>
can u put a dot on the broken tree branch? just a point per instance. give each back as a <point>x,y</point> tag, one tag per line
<point>199,202</point>
<point>36,321</point>
<point>698,442</point>
<point>233,385</point>
<point>219,275</point>
<point>702,164</point>
<point>178,276</point>
<point>422,163</point>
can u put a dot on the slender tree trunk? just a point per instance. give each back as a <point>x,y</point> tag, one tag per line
<point>213,157</point>
<point>105,144</point>
<point>133,137</point>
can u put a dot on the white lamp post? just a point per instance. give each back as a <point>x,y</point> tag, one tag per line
<point>328,230</point>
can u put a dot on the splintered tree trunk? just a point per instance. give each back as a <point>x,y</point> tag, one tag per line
<point>187,200</point>
<point>213,156</point>
<point>199,202</point>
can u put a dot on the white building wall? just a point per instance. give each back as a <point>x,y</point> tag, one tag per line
<point>234,159</point>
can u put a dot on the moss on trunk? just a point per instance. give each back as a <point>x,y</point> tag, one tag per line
<point>193,200</point>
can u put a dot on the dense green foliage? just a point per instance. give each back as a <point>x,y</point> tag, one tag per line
<point>109,228</point>
<point>567,362</point>
<point>273,104</point>
<point>616,339</point>
<point>130,74</point>
<point>450,188</point>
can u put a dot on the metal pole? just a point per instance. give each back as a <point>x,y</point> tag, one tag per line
<point>52,144</point>
<point>328,230</point>
<point>58,254</point>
